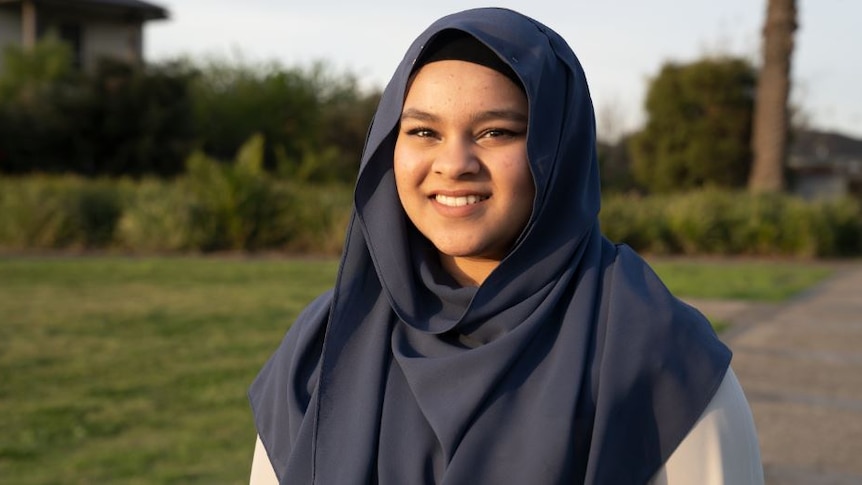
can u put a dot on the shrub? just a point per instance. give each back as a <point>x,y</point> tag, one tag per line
<point>314,121</point>
<point>760,225</point>
<point>321,217</point>
<point>29,74</point>
<point>697,222</point>
<point>219,206</point>
<point>638,221</point>
<point>59,213</point>
<point>136,121</point>
<point>236,207</point>
<point>157,219</point>
<point>123,120</point>
<point>841,227</point>
<point>119,120</point>
<point>725,222</point>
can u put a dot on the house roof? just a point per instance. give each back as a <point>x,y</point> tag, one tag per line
<point>825,152</point>
<point>823,145</point>
<point>146,10</point>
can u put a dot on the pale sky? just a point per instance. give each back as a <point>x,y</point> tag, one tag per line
<point>620,43</point>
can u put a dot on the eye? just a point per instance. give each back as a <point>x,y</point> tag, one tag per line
<point>421,132</point>
<point>497,133</point>
<point>501,135</point>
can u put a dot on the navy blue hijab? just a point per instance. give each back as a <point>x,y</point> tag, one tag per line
<point>571,363</point>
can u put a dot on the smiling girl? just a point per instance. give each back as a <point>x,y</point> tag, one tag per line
<point>481,329</point>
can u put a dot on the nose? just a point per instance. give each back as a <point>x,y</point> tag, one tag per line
<point>456,158</point>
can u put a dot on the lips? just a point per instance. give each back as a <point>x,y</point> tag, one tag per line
<point>459,201</point>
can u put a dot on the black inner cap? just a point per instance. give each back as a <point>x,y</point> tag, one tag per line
<point>455,45</point>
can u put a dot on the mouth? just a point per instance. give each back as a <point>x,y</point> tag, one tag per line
<point>459,201</point>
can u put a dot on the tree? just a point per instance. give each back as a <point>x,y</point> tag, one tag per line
<point>615,165</point>
<point>698,129</point>
<point>36,86</point>
<point>30,73</point>
<point>314,120</point>
<point>140,120</point>
<point>772,116</point>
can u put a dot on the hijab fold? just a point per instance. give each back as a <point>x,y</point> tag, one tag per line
<point>571,363</point>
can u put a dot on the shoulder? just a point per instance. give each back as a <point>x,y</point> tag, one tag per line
<point>300,346</point>
<point>281,392</point>
<point>640,310</point>
<point>636,298</point>
<point>631,278</point>
<point>722,446</point>
<point>657,364</point>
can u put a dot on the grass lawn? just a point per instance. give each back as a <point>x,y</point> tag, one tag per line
<point>769,281</point>
<point>135,370</point>
<point>118,370</point>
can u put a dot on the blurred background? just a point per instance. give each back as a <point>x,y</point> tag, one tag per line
<point>176,178</point>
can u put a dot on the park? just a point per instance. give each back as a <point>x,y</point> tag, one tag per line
<point>163,224</point>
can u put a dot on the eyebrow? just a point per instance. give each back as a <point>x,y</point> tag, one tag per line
<point>501,114</point>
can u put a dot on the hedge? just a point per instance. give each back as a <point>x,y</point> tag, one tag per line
<point>223,207</point>
<point>216,206</point>
<point>717,222</point>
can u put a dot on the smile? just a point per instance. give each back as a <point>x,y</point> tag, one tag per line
<point>459,201</point>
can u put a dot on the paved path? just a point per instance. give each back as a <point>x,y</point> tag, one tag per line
<point>801,367</point>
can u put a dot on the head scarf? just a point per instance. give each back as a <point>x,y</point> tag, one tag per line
<point>461,46</point>
<point>571,363</point>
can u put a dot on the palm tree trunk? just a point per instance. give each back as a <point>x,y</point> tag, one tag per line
<point>771,113</point>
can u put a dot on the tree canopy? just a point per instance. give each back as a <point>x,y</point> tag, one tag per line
<point>698,129</point>
<point>122,120</point>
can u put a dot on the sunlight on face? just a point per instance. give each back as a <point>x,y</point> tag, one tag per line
<point>461,165</point>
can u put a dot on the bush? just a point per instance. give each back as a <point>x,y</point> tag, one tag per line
<point>314,122</point>
<point>227,207</point>
<point>30,74</point>
<point>236,207</point>
<point>157,219</point>
<point>322,215</point>
<point>704,222</point>
<point>638,221</point>
<point>60,213</point>
<point>124,120</point>
<point>841,227</point>
<point>136,121</point>
<point>726,222</point>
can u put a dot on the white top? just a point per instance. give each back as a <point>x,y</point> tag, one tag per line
<point>721,448</point>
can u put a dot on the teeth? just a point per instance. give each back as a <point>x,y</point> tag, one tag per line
<point>459,201</point>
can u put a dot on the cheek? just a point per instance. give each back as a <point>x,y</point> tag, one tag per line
<point>518,173</point>
<point>403,175</point>
<point>524,187</point>
<point>405,168</point>
<point>400,170</point>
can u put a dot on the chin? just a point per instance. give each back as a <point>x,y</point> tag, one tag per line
<point>466,252</point>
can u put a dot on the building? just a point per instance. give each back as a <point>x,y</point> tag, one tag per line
<point>94,29</point>
<point>825,165</point>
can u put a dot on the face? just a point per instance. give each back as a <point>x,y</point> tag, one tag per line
<point>461,164</point>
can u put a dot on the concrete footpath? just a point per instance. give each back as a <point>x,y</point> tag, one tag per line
<point>800,364</point>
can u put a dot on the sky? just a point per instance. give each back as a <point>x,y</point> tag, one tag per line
<point>622,44</point>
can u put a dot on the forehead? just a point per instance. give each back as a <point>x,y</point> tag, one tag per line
<point>443,82</point>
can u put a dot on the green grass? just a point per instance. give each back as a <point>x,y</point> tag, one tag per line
<point>766,281</point>
<point>125,370</point>
<point>135,370</point>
